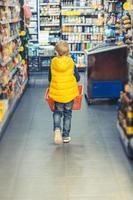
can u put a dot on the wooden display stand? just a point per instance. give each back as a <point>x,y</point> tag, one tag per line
<point>106,72</point>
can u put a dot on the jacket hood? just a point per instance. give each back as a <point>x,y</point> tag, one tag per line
<point>62,63</point>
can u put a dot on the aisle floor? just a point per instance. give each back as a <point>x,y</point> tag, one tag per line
<point>93,166</point>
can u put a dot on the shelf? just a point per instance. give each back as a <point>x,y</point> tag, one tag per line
<point>49,15</point>
<point>112,1</point>
<point>68,24</point>
<point>122,134</point>
<point>10,22</point>
<point>33,33</point>
<point>9,59</point>
<point>54,32</point>
<point>34,12</point>
<point>75,7</point>
<point>79,66</point>
<point>47,25</point>
<point>76,42</point>
<point>32,27</point>
<point>9,5</point>
<point>11,108</point>
<point>13,72</point>
<point>10,39</point>
<point>44,56</point>
<point>80,15</point>
<point>33,20</point>
<point>35,40</point>
<point>46,4</point>
<point>78,33</point>
<point>82,52</point>
<point>45,65</point>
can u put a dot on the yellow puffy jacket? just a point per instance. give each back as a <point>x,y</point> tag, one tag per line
<point>63,85</point>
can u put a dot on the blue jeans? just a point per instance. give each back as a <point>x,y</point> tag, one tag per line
<point>65,110</point>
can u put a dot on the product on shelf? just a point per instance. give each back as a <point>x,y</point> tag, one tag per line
<point>33,22</point>
<point>117,23</point>
<point>12,69</point>
<point>82,26</point>
<point>50,21</point>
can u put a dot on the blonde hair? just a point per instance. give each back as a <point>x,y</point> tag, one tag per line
<point>62,48</point>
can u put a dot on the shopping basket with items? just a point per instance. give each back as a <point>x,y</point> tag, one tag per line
<point>77,100</point>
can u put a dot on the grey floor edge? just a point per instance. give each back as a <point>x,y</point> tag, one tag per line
<point>93,166</point>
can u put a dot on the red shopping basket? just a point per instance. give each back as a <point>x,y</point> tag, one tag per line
<point>77,100</point>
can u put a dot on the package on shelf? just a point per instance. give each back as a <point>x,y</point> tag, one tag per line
<point>81,60</point>
<point>4,32</point>
<point>52,20</point>
<point>3,108</point>
<point>32,24</point>
<point>47,50</point>
<point>45,62</point>
<point>6,52</point>
<point>33,38</point>
<point>81,3</point>
<point>33,49</point>
<point>118,23</point>
<point>50,10</point>
<point>33,64</point>
<point>9,49</point>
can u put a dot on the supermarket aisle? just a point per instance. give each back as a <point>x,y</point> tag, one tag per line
<point>92,167</point>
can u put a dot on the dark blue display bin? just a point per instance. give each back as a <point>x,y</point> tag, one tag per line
<point>106,89</point>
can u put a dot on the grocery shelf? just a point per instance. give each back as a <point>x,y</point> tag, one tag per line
<point>75,7</point>
<point>9,40</point>
<point>9,59</point>
<point>77,52</point>
<point>7,4</point>
<point>11,108</point>
<point>13,72</point>
<point>49,3</point>
<point>47,25</point>
<point>82,41</point>
<point>76,24</point>
<point>10,21</point>
<point>49,15</point>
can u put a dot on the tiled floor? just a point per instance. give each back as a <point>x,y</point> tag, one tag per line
<point>92,167</point>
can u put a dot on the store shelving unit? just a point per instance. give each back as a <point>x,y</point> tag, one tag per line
<point>125,110</point>
<point>33,60</point>
<point>125,105</point>
<point>49,15</point>
<point>13,77</point>
<point>80,27</point>
<point>84,24</point>
<point>49,31</point>
<point>117,23</point>
<point>33,26</point>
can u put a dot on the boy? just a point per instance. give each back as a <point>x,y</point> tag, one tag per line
<point>63,77</point>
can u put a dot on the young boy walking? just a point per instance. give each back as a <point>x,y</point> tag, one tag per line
<point>63,77</point>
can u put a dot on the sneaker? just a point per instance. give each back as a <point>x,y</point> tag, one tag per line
<point>57,136</point>
<point>66,139</point>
